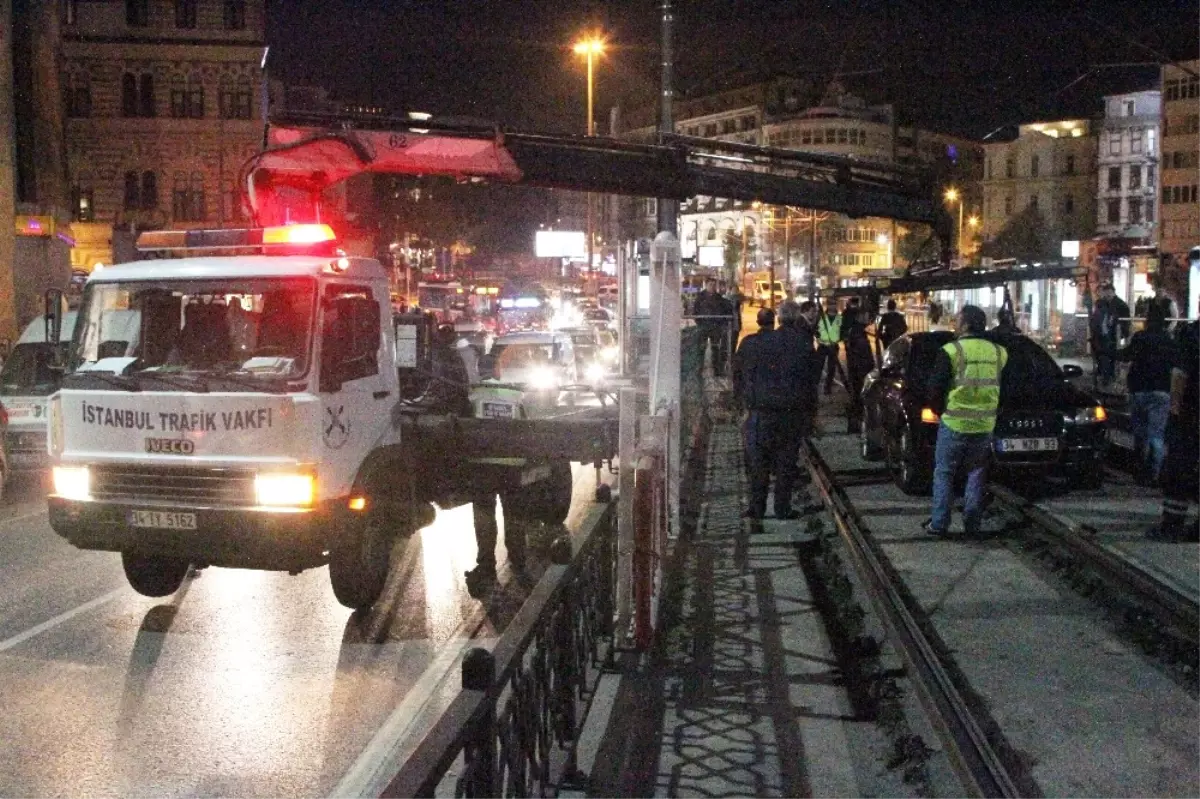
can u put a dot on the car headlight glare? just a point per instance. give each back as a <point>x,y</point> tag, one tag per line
<point>595,372</point>
<point>283,489</point>
<point>1095,413</point>
<point>73,482</point>
<point>543,379</point>
<point>609,353</point>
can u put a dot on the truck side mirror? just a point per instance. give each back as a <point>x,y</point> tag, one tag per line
<point>53,316</point>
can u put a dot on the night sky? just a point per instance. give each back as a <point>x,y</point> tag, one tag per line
<point>965,67</point>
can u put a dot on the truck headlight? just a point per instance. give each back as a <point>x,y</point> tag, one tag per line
<point>595,373</point>
<point>283,489</point>
<point>543,378</point>
<point>610,353</point>
<point>73,482</point>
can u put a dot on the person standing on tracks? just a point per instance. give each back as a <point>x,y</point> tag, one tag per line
<point>713,316</point>
<point>1152,356</point>
<point>859,360</point>
<point>1181,469</point>
<point>773,372</point>
<point>965,391</point>
<point>829,337</point>
<point>891,326</point>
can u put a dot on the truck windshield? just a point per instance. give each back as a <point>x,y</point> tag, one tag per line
<point>27,370</point>
<point>250,328</point>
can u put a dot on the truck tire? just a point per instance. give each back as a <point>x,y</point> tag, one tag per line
<point>547,501</point>
<point>151,576</point>
<point>359,560</point>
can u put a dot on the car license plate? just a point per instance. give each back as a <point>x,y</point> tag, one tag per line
<point>497,410</point>
<point>162,520</point>
<point>1027,444</point>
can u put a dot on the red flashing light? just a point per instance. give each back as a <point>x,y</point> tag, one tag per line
<point>283,235</point>
<point>298,234</point>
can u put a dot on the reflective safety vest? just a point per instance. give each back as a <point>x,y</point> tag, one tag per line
<point>829,331</point>
<point>975,392</point>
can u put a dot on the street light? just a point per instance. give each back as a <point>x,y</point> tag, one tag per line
<point>590,48</point>
<point>952,195</point>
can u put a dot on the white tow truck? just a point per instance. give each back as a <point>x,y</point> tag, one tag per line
<point>269,411</point>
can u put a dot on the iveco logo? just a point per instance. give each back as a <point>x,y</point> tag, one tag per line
<point>170,446</point>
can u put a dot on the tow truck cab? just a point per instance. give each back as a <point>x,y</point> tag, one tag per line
<point>249,414</point>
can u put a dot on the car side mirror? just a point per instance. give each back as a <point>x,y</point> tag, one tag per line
<point>53,318</point>
<point>1072,371</point>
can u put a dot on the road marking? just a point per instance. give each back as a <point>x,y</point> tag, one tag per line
<point>364,777</point>
<point>59,619</point>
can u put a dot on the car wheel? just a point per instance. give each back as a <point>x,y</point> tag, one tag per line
<point>153,576</point>
<point>359,560</point>
<point>869,450</point>
<point>911,476</point>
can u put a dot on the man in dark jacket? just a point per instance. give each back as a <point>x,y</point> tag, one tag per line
<point>859,360</point>
<point>1181,469</point>
<point>891,325</point>
<point>714,317</point>
<point>1109,324</point>
<point>1152,355</point>
<point>774,386</point>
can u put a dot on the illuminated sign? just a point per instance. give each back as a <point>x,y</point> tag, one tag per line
<point>34,225</point>
<point>560,244</point>
<point>711,255</point>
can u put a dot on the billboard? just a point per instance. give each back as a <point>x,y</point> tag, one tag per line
<point>560,244</point>
<point>711,255</point>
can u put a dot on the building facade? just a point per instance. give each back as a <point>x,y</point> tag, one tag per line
<point>1179,164</point>
<point>1051,168</point>
<point>1127,166</point>
<point>163,105</point>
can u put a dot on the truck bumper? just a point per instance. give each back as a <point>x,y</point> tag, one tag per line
<point>237,537</point>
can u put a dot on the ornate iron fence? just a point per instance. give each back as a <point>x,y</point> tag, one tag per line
<point>512,730</point>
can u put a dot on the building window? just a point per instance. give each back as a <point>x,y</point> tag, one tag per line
<point>82,204</point>
<point>235,15</point>
<point>79,99</point>
<point>185,14</point>
<point>234,99</point>
<point>1135,140</point>
<point>1033,201</point>
<point>1069,204</point>
<point>1033,166</point>
<point>137,13</point>
<point>146,95</point>
<point>1135,211</point>
<point>1114,212</point>
<point>187,99</point>
<point>989,169</point>
<point>1150,176</point>
<point>149,190</point>
<point>1135,177</point>
<point>1114,178</point>
<point>1149,212</point>
<point>70,12</point>
<point>1008,206</point>
<point>1070,165</point>
<point>1114,144</point>
<point>133,191</point>
<point>1010,167</point>
<point>187,198</point>
<point>843,136</point>
<point>129,95</point>
<point>1129,107</point>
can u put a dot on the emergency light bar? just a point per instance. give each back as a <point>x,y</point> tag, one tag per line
<point>242,238</point>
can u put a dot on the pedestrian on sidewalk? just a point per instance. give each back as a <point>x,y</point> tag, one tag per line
<point>859,360</point>
<point>1109,325</point>
<point>773,374</point>
<point>965,391</point>
<point>1181,469</point>
<point>891,325</point>
<point>714,315</point>
<point>829,336</point>
<point>1152,355</point>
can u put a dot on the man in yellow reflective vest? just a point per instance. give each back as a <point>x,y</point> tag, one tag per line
<point>965,391</point>
<point>829,337</point>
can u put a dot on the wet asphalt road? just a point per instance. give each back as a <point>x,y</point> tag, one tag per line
<point>243,683</point>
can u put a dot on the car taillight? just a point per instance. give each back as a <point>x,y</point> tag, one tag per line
<point>930,416</point>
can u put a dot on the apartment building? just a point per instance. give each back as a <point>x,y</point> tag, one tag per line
<point>1179,166</point>
<point>1127,166</point>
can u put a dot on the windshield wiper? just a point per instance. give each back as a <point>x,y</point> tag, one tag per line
<point>267,385</point>
<point>109,377</point>
<point>187,383</point>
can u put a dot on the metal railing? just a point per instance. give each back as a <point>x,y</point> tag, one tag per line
<point>513,728</point>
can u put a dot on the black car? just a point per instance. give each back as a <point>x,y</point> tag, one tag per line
<point>1045,424</point>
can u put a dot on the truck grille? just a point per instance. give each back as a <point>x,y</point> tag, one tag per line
<point>184,485</point>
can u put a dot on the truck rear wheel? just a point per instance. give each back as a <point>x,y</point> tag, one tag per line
<point>152,576</point>
<point>547,501</point>
<point>359,560</point>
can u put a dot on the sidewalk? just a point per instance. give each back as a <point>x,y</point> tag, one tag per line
<point>743,696</point>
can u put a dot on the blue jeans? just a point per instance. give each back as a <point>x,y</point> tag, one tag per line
<point>957,451</point>
<point>1148,417</point>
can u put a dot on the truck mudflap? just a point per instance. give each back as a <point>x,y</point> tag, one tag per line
<point>232,537</point>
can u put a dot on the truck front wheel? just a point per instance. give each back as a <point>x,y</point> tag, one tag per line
<point>547,501</point>
<point>151,576</point>
<point>359,559</point>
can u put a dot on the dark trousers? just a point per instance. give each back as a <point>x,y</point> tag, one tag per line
<point>487,531</point>
<point>830,363</point>
<point>773,445</point>
<point>714,335</point>
<point>1180,475</point>
<point>1104,351</point>
<point>859,368</point>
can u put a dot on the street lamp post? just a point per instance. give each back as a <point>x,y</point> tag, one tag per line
<point>953,195</point>
<point>590,48</point>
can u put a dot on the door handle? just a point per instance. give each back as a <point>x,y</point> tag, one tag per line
<point>380,394</point>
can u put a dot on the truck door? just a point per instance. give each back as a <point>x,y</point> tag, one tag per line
<point>354,390</point>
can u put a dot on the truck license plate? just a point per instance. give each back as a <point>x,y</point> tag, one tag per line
<point>497,410</point>
<point>1027,444</point>
<point>162,520</point>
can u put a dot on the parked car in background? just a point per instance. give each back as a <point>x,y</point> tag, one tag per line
<point>542,363</point>
<point>27,379</point>
<point>1045,424</point>
<point>477,334</point>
